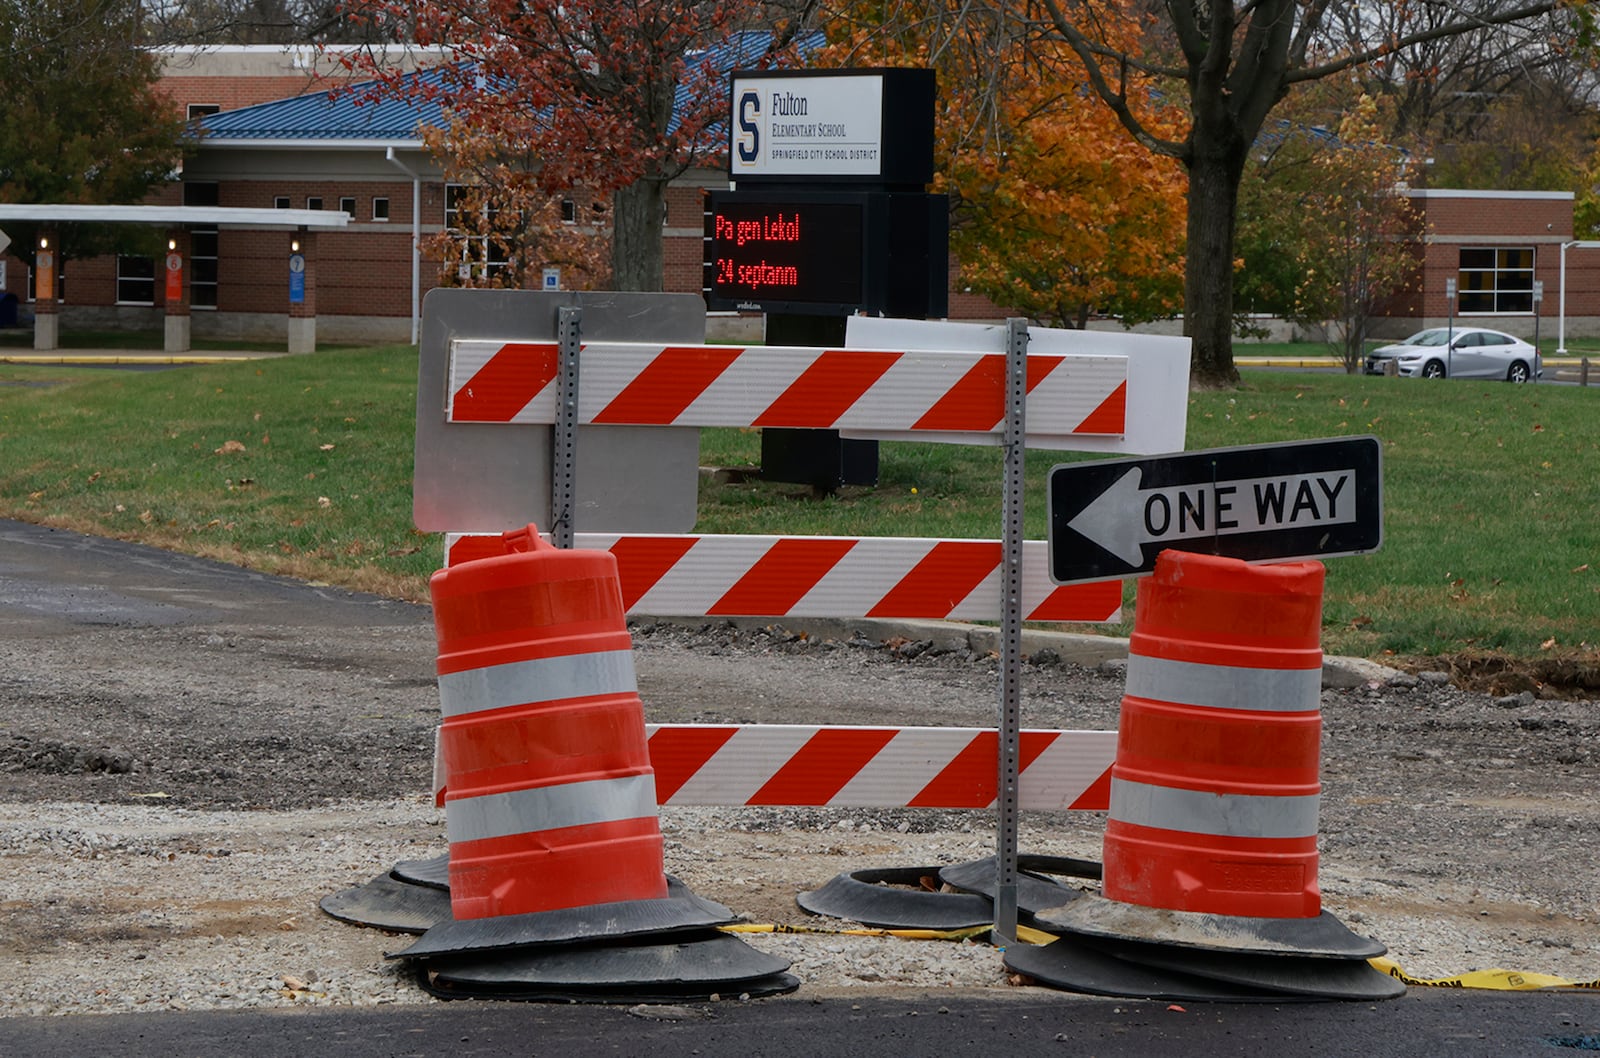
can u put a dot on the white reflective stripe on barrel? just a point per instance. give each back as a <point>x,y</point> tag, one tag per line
<point>1217,814</point>
<point>1224,686</point>
<point>537,680</point>
<point>539,808</point>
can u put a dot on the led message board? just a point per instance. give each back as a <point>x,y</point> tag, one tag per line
<point>766,254</point>
<point>825,253</point>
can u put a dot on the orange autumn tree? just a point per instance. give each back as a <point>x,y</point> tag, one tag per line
<point>1054,213</point>
<point>1061,218</point>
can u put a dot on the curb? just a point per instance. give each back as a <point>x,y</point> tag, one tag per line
<point>1090,651</point>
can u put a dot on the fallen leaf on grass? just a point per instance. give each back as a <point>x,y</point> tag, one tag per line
<point>229,447</point>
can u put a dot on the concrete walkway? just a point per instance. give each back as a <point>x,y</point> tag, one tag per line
<point>115,357</point>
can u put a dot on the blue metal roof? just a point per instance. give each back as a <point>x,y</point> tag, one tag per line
<point>356,115</point>
<point>320,116</point>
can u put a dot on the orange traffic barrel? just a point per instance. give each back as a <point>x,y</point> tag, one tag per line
<point>1214,793</point>
<point>549,795</point>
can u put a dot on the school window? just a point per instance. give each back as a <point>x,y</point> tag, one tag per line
<point>348,206</point>
<point>280,202</point>
<point>200,193</point>
<point>203,268</point>
<point>482,256</point>
<point>1495,279</point>
<point>569,211</point>
<point>380,209</point>
<point>136,280</point>
<point>201,110</point>
<point>314,202</point>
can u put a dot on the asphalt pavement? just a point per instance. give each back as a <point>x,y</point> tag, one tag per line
<point>1425,1022</point>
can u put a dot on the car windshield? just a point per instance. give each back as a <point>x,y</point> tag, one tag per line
<point>1433,336</point>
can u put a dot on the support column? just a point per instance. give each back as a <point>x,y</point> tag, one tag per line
<point>46,309</point>
<point>175,266</point>
<point>303,292</point>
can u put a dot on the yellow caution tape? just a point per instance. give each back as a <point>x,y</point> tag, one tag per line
<point>1499,980</point>
<point>1026,934</point>
<point>1035,936</point>
<point>903,934</point>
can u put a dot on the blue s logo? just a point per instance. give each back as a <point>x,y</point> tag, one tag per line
<point>748,144</point>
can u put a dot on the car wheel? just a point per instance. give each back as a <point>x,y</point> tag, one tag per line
<point>1433,369</point>
<point>1518,372</point>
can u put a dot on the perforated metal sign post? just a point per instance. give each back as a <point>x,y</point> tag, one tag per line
<point>1010,720</point>
<point>1305,499</point>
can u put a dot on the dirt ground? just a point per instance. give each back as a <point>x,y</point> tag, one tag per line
<point>189,775</point>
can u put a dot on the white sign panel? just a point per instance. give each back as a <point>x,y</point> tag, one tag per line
<point>1157,395</point>
<point>807,126</point>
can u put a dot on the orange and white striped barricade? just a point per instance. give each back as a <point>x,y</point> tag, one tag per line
<point>889,577</point>
<point>715,575</point>
<point>935,395</point>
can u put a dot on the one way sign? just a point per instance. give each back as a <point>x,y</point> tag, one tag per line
<point>1308,499</point>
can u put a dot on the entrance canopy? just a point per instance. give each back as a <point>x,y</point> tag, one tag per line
<point>302,313</point>
<point>198,216</point>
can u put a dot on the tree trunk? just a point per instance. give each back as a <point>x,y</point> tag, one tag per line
<point>637,259</point>
<point>1208,272</point>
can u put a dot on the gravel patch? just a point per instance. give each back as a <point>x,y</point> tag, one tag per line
<point>174,801</point>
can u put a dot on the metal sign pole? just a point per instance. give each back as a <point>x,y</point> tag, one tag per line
<point>564,449</point>
<point>1450,332</point>
<point>1538,298</point>
<point>1006,795</point>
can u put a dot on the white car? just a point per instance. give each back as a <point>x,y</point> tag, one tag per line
<point>1464,352</point>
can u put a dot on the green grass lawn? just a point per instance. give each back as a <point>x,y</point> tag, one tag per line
<point>302,465</point>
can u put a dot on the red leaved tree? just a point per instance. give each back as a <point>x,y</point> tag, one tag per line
<point>580,100</point>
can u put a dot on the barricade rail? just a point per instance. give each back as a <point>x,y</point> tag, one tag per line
<point>926,387</point>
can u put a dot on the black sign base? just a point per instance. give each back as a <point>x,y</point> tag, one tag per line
<point>819,458</point>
